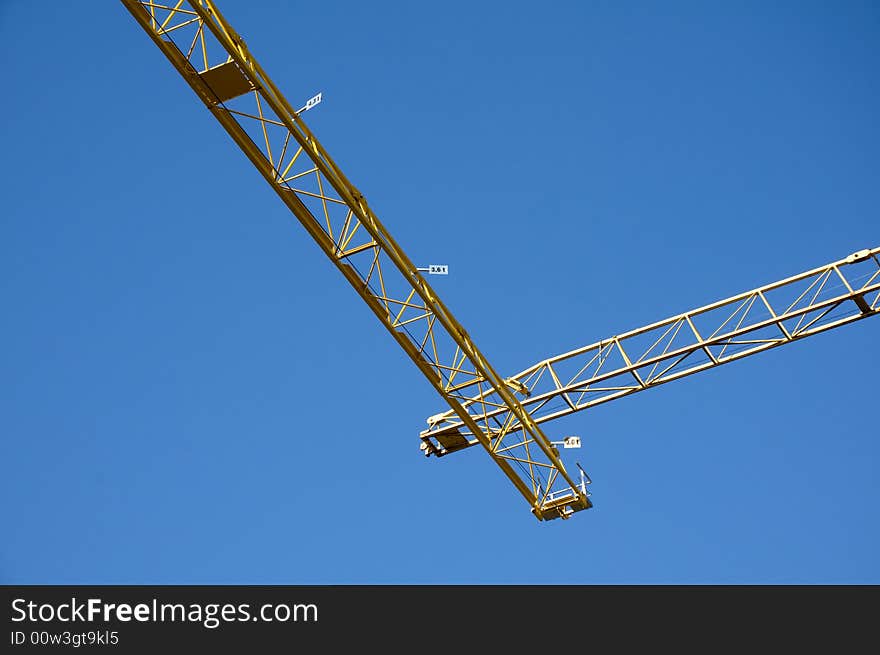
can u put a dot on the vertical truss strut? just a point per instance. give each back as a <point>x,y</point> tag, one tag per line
<point>215,62</point>
<point>783,312</point>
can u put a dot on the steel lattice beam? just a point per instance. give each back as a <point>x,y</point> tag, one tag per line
<point>215,62</point>
<point>783,312</point>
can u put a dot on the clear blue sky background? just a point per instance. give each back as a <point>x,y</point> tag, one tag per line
<point>192,394</point>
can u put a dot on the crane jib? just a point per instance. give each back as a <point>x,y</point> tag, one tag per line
<point>217,65</point>
<point>786,311</point>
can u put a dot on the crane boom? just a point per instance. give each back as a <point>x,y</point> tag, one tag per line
<point>782,312</point>
<point>215,62</point>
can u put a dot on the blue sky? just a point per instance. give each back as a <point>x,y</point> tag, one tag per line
<point>192,394</point>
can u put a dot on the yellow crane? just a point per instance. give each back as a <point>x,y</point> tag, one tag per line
<point>500,414</point>
<point>797,307</point>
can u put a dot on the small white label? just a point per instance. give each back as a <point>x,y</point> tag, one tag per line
<point>311,102</point>
<point>438,269</point>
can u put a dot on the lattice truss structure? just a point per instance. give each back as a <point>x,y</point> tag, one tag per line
<point>215,62</point>
<point>800,306</point>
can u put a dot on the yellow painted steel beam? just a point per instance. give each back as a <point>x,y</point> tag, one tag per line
<point>786,311</point>
<point>217,65</point>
